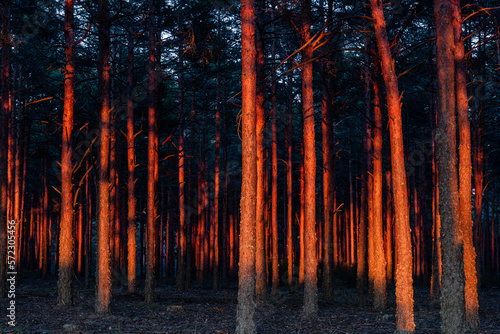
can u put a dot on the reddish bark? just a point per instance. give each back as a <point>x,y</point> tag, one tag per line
<point>465,174</point>
<point>246,276</point>
<point>131,199</point>
<point>310,261</point>
<point>404,280</point>
<point>151,206</point>
<point>103,270</point>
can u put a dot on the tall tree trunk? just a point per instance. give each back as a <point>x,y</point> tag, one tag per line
<point>274,183</point>
<point>452,293</point>
<point>310,262</point>
<point>260,250</point>
<point>152,164</point>
<point>216,188</point>
<point>246,276</point>
<point>328,186</point>
<point>65,282</point>
<point>379,271</point>
<point>103,272</point>
<point>131,199</point>
<point>182,246</point>
<point>465,174</point>
<point>388,227</point>
<point>404,280</point>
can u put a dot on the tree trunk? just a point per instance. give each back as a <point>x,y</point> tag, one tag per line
<point>151,208</point>
<point>66,241</point>
<point>465,174</point>
<point>182,246</point>
<point>379,265</point>
<point>246,276</point>
<point>310,262</point>
<point>131,199</point>
<point>404,280</point>
<point>103,271</point>
<point>260,250</point>
<point>452,293</point>
<point>328,186</point>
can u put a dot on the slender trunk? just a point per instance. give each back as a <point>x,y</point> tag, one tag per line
<point>274,184</point>
<point>181,261</point>
<point>152,165</point>
<point>465,174</point>
<point>103,271</point>
<point>404,280</point>
<point>131,199</point>
<point>328,186</point>
<point>246,276</point>
<point>260,253</point>
<point>215,222</point>
<point>379,271</point>
<point>452,293</point>
<point>388,227</point>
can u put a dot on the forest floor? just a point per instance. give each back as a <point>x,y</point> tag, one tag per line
<point>201,310</point>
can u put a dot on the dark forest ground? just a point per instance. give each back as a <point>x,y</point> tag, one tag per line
<point>202,310</point>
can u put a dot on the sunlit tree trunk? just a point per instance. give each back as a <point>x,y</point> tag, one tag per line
<point>379,266</point>
<point>452,280</point>
<point>404,280</point>
<point>310,308</point>
<point>465,174</point>
<point>131,199</point>
<point>182,246</point>
<point>65,282</point>
<point>103,270</point>
<point>151,206</point>
<point>246,276</point>
<point>388,227</point>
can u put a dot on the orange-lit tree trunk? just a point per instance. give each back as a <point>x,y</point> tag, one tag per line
<point>65,281</point>
<point>379,265</point>
<point>103,270</point>
<point>328,172</point>
<point>404,280</point>
<point>131,199</point>
<point>465,174</point>
<point>436,219</point>
<point>152,182</point>
<point>362,241</point>
<point>310,308</point>
<point>5,116</point>
<point>388,227</point>
<point>182,246</point>
<point>246,276</point>
<point>260,250</point>
<point>452,280</point>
